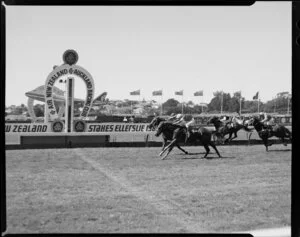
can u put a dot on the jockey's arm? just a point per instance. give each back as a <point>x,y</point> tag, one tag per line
<point>171,118</point>
<point>179,121</point>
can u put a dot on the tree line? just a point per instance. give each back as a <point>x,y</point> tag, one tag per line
<point>229,104</point>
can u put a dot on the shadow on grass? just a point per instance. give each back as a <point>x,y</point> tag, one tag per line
<point>280,150</point>
<point>209,157</point>
<point>191,154</point>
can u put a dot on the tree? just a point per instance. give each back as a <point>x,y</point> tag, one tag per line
<point>215,103</point>
<point>39,112</point>
<point>170,103</point>
<point>171,106</point>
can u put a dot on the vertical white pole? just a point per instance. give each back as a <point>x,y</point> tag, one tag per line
<point>222,102</point>
<point>288,108</point>
<point>182,103</point>
<point>46,114</point>
<point>161,105</point>
<point>240,105</point>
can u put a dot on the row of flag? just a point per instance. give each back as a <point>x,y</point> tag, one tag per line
<point>159,93</point>
<point>200,93</point>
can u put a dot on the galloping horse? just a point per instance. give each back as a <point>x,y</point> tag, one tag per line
<point>166,136</point>
<point>223,129</point>
<point>172,132</point>
<point>265,132</point>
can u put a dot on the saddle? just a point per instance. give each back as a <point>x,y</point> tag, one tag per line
<point>268,127</point>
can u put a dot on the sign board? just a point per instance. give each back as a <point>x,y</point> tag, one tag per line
<point>107,128</point>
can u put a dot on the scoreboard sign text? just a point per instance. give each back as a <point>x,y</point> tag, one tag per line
<point>106,128</point>
<point>27,128</point>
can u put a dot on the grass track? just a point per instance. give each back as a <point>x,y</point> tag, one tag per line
<point>132,190</point>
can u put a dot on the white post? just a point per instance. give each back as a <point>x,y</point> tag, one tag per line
<point>222,102</point>
<point>182,103</point>
<point>161,105</point>
<point>46,114</point>
<point>240,105</point>
<point>288,108</point>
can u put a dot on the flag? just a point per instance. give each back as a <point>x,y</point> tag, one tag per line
<point>198,93</point>
<point>138,92</point>
<point>179,92</point>
<point>256,96</point>
<point>155,93</point>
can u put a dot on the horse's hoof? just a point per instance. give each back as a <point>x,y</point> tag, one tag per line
<point>160,153</point>
<point>186,153</point>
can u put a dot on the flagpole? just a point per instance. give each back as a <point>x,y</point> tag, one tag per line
<point>288,108</point>
<point>182,103</point>
<point>139,95</point>
<point>162,102</point>
<point>202,104</point>
<point>258,102</point>
<point>222,102</point>
<point>240,103</point>
<point>274,105</point>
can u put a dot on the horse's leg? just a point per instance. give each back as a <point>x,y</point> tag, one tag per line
<point>249,134</point>
<point>207,150</point>
<point>212,144</point>
<point>235,135</point>
<point>182,149</point>
<point>163,147</point>
<point>169,150</point>
<point>266,143</point>
<point>283,141</point>
<point>228,139</point>
<point>167,147</point>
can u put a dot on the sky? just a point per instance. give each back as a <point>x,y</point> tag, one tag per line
<point>126,48</point>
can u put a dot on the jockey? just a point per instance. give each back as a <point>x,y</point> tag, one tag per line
<point>261,116</point>
<point>236,119</point>
<point>227,121</point>
<point>172,117</point>
<point>186,121</point>
<point>268,121</point>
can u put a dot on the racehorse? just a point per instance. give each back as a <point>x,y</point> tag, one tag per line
<point>177,134</point>
<point>223,129</point>
<point>265,132</point>
<point>166,137</point>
